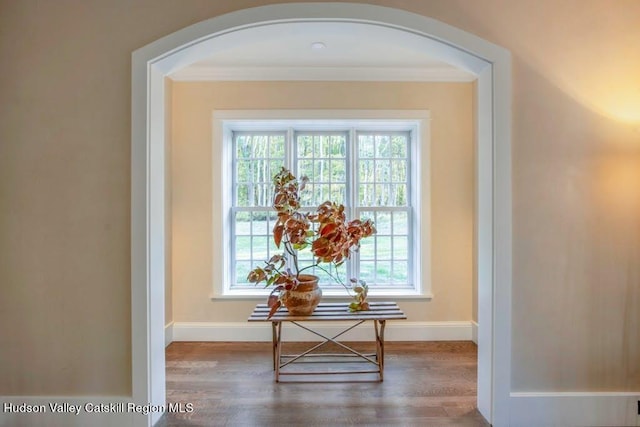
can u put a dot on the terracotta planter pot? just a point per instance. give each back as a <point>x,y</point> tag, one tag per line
<point>305,298</point>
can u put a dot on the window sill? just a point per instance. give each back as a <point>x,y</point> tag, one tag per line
<point>331,294</point>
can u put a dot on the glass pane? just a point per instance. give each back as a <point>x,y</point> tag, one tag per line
<point>242,270</point>
<point>383,146</point>
<point>367,249</point>
<point>338,146</point>
<point>364,215</point>
<point>307,196</point>
<point>398,171</point>
<point>305,146</point>
<point>338,171</point>
<point>260,245</point>
<point>317,145</point>
<point>383,247</point>
<point>324,277</point>
<point>340,273</point>
<point>365,146</point>
<point>400,223</point>
<point>274,168</point>
<point>322,172</point>
<point>383,223</point>
<point>381,195</point>
<point>305,168</point>
<point>383,272</point>
<point>273,249</point>
<point>338,193</point>
<point>399,146</point>
<point>366,195</point>
<point>365,171</point>
<point>260,171</point>
<point>317,195</point>
<point>262,195</point>
<point>242,195</point>
<point>398,196</point>
<point>260,224</point>
<point>243,171</point>
<point>400,272</point>
<point>326,193</point>
<point>243,247</point>
<point>305,257</point>
<point>383,171</point>
<point>243,147</point>
<point>367,271</point>
<point>326,146</point>
<point>260,146</point>
<point>400,247</point>
<point>243,223</point>
<point>276,146</point>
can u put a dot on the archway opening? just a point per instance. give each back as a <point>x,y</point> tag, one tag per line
<point>493,218</point>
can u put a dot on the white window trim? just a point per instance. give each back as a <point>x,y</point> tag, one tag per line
<point>225,121</point>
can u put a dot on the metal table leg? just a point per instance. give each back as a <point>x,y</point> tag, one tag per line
<point>380,345</point>
<point>276,328</point>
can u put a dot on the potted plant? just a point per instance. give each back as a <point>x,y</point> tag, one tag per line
<point>332,241</point>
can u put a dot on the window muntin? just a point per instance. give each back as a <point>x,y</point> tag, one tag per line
<point>366,170</point>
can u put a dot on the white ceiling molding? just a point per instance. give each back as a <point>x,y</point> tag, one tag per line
<point>430,74</point>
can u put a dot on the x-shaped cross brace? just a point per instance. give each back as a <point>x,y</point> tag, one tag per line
<point>378,361</point>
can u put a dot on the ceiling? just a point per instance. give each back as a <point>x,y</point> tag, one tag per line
<point>351,53</point>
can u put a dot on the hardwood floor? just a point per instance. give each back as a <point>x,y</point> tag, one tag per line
<point>232,384</point>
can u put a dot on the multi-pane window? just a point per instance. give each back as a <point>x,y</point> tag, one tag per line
<point>367,171</point>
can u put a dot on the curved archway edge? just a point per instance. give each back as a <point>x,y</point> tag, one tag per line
<point>492,66</point>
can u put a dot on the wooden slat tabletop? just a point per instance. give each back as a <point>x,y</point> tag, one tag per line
<point>332,311</point>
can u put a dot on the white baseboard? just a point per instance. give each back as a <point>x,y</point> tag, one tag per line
<point>119,416</point>
<point>394,331</point>
<point>168,334</point>
<point>474,332</point>
<point>574,409</point>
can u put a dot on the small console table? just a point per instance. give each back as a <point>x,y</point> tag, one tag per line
<point>379,313</point>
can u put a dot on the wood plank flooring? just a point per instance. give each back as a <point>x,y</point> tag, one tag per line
<point>231,384</point>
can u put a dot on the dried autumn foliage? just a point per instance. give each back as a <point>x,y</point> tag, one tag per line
<point>332,242</point>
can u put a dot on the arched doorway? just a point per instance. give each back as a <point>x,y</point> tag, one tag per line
<point>488,62</point>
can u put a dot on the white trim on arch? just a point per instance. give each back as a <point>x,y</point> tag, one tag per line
<point>489,62</point>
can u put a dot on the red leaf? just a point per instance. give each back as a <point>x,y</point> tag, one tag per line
<point>274,308</point>
<point>272,300</point>
<point>273,296</point>
<point>327,229</point>
<point>277,234</point>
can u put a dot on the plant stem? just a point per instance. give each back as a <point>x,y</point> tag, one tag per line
<point>294,256</point>
<point>336,278</point>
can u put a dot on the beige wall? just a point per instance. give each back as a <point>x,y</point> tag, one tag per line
<point>452,177</point>
<point>65,185</point>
